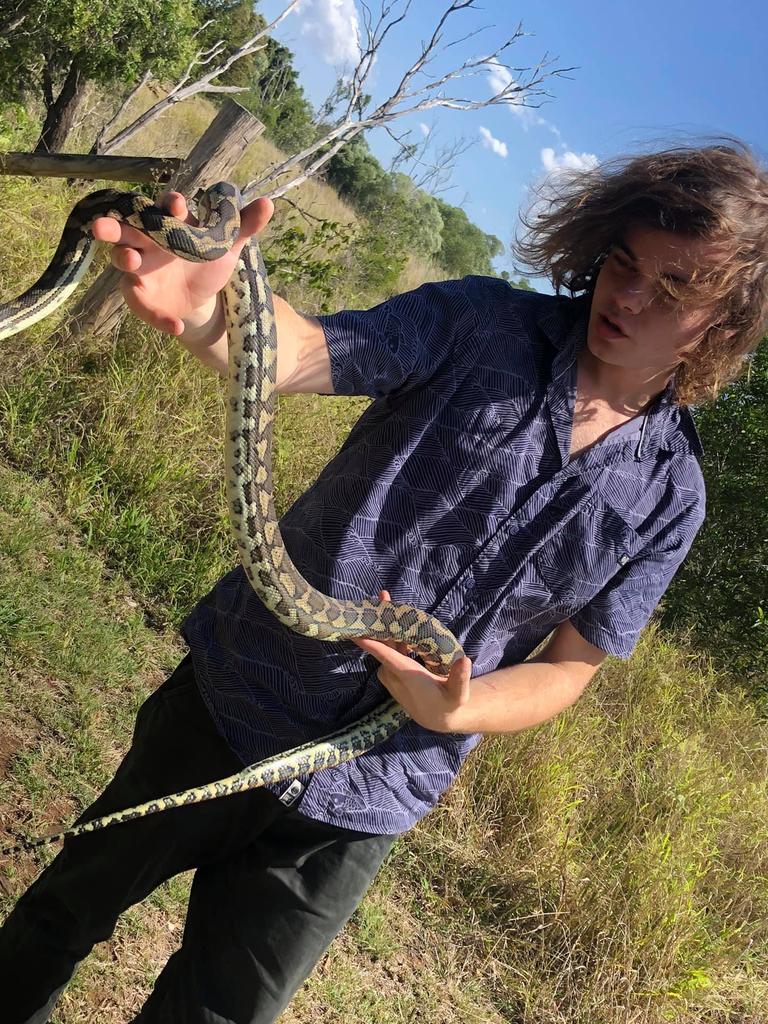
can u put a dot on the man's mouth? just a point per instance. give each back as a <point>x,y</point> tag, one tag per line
<point>612,327</point>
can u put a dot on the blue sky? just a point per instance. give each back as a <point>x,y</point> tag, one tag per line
<point>646,75</point>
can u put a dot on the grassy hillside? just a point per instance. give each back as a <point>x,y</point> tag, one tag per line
<point>608,867</point>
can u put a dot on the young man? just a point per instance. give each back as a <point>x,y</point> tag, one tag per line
<point>528,467</point>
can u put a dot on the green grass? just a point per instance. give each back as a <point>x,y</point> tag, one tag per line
<point>609,867</point>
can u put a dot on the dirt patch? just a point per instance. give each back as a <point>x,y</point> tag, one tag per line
<point>9,744</point>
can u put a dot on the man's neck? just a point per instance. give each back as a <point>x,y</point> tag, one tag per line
<point>618,389</point>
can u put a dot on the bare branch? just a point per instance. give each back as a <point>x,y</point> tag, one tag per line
<point>300,209</point>
<point>515,93</point>
<point>182,91</point>
<point>7,29</point>
<point>436,171</point>
<point>95,148</point>
<point>252,191</point>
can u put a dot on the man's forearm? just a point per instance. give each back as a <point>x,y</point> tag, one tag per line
<point>303,360</point>
<point>514,698</point>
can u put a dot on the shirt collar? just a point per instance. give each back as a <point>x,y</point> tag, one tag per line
<point>666,425</point>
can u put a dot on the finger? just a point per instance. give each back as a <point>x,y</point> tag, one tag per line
<point>383,652</point>
<point>175,204</point>
<point>108,229</point>
<point>378,648</point>
<point>116,232</point>
<point>125,259</point>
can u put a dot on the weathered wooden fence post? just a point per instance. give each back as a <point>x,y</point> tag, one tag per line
<point>212,159</point>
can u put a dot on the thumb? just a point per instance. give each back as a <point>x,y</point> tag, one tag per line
<point>458,681</point>
<point>255,216</point>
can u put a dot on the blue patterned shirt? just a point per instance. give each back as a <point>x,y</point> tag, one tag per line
<point>455,492</point>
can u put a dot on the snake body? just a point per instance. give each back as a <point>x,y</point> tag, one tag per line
<point>252,336</point>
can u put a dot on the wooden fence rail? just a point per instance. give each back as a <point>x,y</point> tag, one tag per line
<point>107,168</point>
<point>213,158</point>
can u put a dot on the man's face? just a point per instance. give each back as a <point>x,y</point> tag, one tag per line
<point>633,323</point>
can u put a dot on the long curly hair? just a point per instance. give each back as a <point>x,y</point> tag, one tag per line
<point>718,193</point>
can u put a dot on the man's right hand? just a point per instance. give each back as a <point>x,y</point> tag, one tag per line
<point>170,293</point>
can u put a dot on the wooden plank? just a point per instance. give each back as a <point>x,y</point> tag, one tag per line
<point>75,165</point>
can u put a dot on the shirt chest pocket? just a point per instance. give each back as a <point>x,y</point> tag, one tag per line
<point>588,551</point>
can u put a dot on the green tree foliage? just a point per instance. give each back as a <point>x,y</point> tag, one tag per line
<point>273,93</point>
<point>422,223</point>
<point>418,222</point>
<point>723,585</point>
<point>230,22</point>
<point>278,100</point>
<point>52,48</point>
<point>356,174</point>
<point>465,249</point>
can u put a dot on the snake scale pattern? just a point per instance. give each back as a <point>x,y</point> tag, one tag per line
<point>252,338</point>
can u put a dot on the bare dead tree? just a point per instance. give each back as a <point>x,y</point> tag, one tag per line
<point>430,173</point>
<point>185,88</point>
<point>521,85</point>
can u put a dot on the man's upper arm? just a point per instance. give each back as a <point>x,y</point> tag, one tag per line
<point>577,656</point>
<point>403,342</point>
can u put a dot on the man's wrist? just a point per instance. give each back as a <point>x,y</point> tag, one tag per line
<point>204,327</point>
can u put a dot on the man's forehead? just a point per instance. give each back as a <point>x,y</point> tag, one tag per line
<point>656,244</point>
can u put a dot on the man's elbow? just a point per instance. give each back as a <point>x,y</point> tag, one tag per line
<point>578,659</point>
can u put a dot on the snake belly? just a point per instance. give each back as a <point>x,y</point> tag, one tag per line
<point>252,336</point>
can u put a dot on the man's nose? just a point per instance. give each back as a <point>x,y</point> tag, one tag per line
<point>633,296</point>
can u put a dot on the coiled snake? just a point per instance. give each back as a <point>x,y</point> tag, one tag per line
<point>250,410</point>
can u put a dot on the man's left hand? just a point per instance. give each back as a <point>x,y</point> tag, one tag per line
<point>431,700</point>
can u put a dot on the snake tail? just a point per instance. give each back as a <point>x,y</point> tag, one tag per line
<point>326,752</point>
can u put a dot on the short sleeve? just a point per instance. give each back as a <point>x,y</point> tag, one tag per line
<point>400,343</point>
<point>614,619</point>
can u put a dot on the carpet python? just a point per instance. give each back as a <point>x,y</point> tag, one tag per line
<point>252,336</point>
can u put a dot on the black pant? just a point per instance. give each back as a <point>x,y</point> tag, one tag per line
<point>272,887</point>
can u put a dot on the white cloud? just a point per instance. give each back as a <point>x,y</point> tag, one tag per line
<point>568,160</point>
<point>499,77</point>
<point>498,147</point>
<point>334,28</point>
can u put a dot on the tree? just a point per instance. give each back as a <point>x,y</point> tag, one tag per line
<point>722,585</point>
<point>53,50</point>
<point>412,215</point>
<point>465,248</point>
<point>411,94</point>
<point>225,25</point>
<point>278,100</point>
<point>518,87</point>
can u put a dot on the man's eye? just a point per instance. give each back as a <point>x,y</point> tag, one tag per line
<point>621,261</point>
<point>667,294</point>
